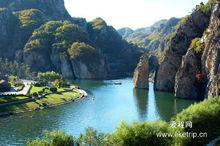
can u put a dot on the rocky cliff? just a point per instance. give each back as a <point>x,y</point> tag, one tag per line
<point>197,76</point>
<point>141,73</point>
<point>211,54</point>
<point>189,28</point>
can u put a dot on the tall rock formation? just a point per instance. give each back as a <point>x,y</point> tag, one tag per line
<point>198,76</point>
<point>190,82</point>
<point>191,27</point>
<point>141,74</point>
<point>211,55</point>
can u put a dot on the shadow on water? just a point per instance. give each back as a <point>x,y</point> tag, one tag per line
<point>152,105</point>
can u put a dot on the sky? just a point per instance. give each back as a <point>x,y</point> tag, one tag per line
<point>130,13</point>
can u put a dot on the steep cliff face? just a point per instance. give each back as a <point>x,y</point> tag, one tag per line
<point>189,81</point>
<point>191,27</point>
<point>211,55</point>
<point>198,75</point>
<point>141,74</point>
<point>121,57</point>
<point>87,62</point>
<point>7,20</point>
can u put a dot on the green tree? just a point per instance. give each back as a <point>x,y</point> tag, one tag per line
<point>54,138</point>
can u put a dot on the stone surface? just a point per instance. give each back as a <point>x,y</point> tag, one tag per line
<point>187,85</point>
<point>141,74</point>
<point>96,70</point>
<point>211,55</point>
<point>192,27</point>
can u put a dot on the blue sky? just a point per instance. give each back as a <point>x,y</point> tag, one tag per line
<point>130,13</point>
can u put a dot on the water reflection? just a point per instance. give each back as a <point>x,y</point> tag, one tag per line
<point>152,108</point>
<point>140,97</point>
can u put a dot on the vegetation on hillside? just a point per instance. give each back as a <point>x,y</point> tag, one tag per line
<point>197,45</point>
<point>84,52</point>
<point>14,68</point>
<point>30,17</point>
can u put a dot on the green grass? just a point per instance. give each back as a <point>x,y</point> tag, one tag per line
<point>20,107</point>
<point>6,99</point>
<point>52,99</point>
<point>36,89</point>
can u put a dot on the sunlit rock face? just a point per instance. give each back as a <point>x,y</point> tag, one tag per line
<point>190,28</point>
<point>211,55</point>
<point>141,74</point>
<point>189,82</point>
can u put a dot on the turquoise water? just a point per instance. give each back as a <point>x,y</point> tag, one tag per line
<point>107,105</point>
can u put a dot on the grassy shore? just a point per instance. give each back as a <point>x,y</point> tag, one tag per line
<point>63,95</point>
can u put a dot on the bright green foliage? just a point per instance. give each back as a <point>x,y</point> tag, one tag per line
<point>12,79</point>
<point>57,35</point>
<point>49,76</point>
<point>55,138</point>
<point>59,83</point>
<point>182,21</point>
<point>38,142</point>
<point>98,23</point>
<point>92,137</point>
<point>84,52</point>
<point>212,1</point>
<point>29,17</point>
<point>205,8</point>
<point>2,9</point>
<point>197,45</point>
<point>140,134</point>
<point>205,117</point>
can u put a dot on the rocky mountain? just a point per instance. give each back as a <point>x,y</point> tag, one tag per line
<point>153,38</point>
<point>45,37</point>
<point>190,27</point>
<point>190,66</point>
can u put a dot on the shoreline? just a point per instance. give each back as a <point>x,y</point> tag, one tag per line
<point>9,113</point>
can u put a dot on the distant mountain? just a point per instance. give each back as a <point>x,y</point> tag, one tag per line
<point>125,32</point>
<point>44,36</point>
<point>153,37</point>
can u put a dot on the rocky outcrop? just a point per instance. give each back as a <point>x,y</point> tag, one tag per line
<point>85,71</point>
<point>66,67</point>
<point>190,27</point>
<point>189,81</point>
<point>153,64</point>
<point>141,74</point>
<point>121,57</point>
<point>198,75</point>
<point>211,55</point>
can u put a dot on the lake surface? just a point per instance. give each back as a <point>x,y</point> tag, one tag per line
<point>107,105</point>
